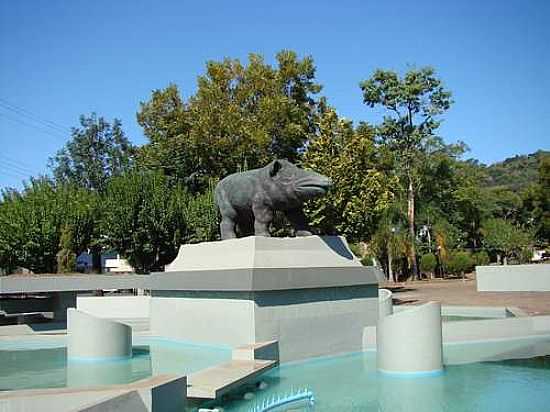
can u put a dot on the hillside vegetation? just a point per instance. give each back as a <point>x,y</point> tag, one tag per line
<point>515,173</point>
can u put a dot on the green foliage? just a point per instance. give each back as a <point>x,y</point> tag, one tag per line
<point>66,258</point>
<point>535,212</point>
<point>144,219</point>
<point>201,217</point>
<point>412,103</point>
<point>459,262</point>
<point>506,240</point>
<point>96,151</point>
<point>361,189</point>
<point>32,221</point>
<point>240,116</point>
<point>428,263</point>
<point>481,258</point>
<point>515,173</point>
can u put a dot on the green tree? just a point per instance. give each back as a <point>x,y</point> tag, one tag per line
<point>147,217</point>
<point>241,116</point>
<point>33,220</point>
<point>66,258</point>
<point>412,104</point>
<point>536,203</point>
<point>459,263</point>
<point>481,258</point>
<point>428,263</point>
<point>96,151</point>
<point>505,239</point>
<point>361,189</point>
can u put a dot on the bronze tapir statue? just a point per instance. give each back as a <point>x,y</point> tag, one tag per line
<point>249,199</point>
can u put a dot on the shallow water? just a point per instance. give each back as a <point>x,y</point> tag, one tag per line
<point>351,383</point>
<point>42,364</point>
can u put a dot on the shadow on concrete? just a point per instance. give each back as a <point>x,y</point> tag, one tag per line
<point>404,301</point>
<point>399,289</point>
<point>48,326</point>
<point>338,246</point>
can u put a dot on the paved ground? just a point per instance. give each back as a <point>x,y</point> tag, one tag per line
<point>458,292</point>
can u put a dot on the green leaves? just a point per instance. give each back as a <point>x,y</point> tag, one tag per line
<point>506,239</point>
<point>31,224</point>
<point>96,151</point>
<point>147,217</point>
<point>239,115</point>
<point>361,189</point>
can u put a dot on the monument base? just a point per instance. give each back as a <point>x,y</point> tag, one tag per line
<point>309,293</point>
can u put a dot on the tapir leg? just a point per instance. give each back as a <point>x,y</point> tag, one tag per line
<point>262,218</point>
<point>227,228</point>
<point>299,221</point>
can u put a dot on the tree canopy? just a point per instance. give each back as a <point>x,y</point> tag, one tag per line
<point>241,116</point>
<point>96,151</point>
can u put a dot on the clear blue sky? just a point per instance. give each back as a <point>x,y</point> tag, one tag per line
<point>59,59</point>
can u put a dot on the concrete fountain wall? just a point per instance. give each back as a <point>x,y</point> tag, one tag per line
<point>93,338</point>
<point>410,342</point>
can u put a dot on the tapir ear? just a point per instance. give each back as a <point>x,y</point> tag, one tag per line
<point>275,167</point>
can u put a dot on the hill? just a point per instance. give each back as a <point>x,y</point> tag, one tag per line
<point>515,172</point>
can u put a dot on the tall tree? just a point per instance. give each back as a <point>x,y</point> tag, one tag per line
<point>361,188</point>
<point>96,151</point>
<point>241,116</point>
<point>413,103</point>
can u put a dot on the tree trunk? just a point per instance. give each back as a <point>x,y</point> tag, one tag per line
<point>412,232</point>
<point>390,269</point>
<point>505,260</point>
<point>96,259</point>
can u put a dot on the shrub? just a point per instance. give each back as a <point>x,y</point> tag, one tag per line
<point>459,262</point>
<point>428,263</point>
<point>481,258</point>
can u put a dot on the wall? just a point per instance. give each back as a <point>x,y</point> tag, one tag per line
<point>513,278</point>
<point>306,322</point>
<point>117,307</point>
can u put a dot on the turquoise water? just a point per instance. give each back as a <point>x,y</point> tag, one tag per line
<point>345,383</point>
<point>42,364</point>
<point>351,383</point>
<point>460,318</point>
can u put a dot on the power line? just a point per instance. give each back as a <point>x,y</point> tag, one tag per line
<point>10,159</point>
<point>16,175</point>
<point>22,122</point>
<point>26,113</point>
<point>6,161</point>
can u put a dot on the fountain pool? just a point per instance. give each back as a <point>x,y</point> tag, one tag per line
<point>351,383</point>
<point>41,363</point>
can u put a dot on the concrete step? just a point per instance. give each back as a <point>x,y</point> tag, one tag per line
<point>214,382</point>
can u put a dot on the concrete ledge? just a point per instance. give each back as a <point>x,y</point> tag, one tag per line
<point>157,394</point>
<point>31,284</point>
<point>513,278</point>
<point>265,252</point>
<point>257,351</point>
<point>212,383</point>
<point>262,279</point>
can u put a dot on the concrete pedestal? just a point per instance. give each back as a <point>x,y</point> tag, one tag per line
<point>309,293</point>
